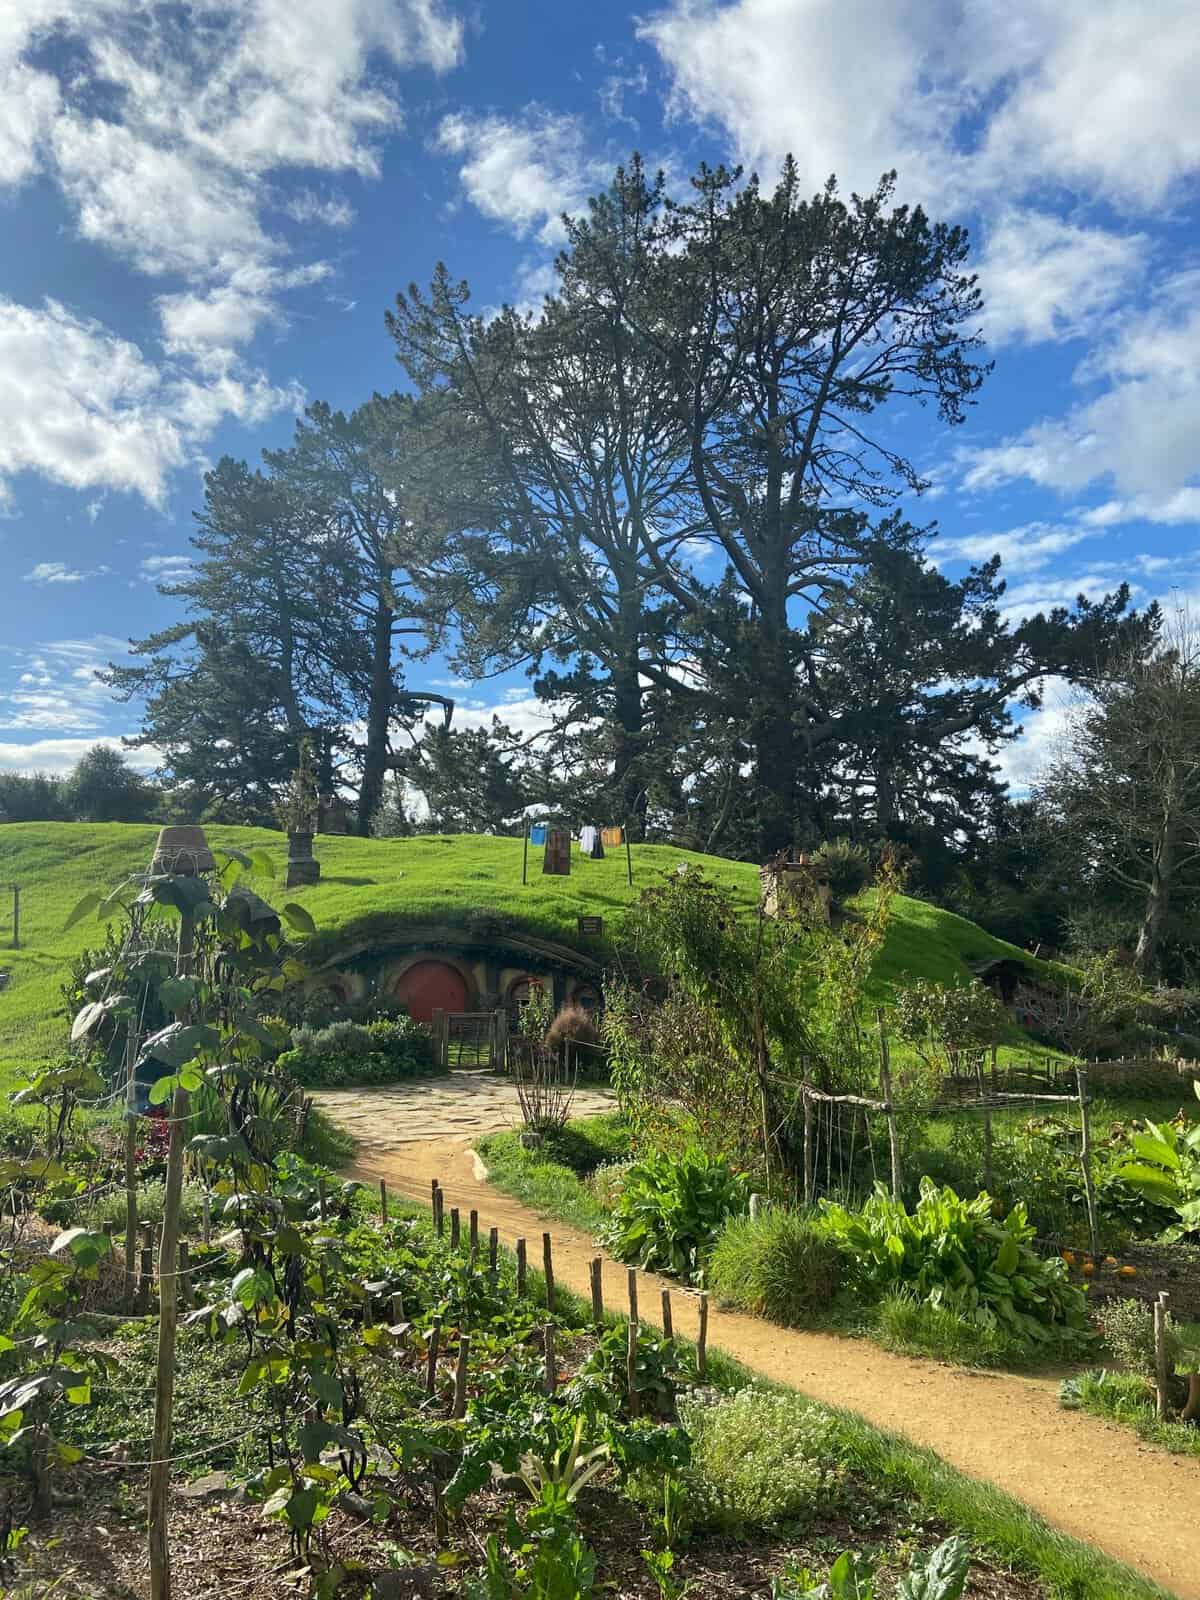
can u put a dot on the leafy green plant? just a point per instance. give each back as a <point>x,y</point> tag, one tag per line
<point>1128,1329</point>
<point>780,1264</point>
<point>939,1575</point>
<point>939,1020</point>
<point>761,1460</point>
<point>658,1371</point>
<point>1164,1165</point>
<point>913,1326</point>
<point>671,1208</point>
<point>847,867</point>
<point>955,1253</point>
<point>565,1473</point>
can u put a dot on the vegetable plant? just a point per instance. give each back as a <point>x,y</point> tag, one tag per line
<point>1164,1166</point>
<point>671,1208</point>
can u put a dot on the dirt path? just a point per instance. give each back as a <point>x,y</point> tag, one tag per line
<point>1086,1477</point>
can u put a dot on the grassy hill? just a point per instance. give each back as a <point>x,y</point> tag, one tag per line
<point>370,886</point>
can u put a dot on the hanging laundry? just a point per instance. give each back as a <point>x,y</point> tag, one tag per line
<point>557,859</point>
<point>612,838</point>
<point>537,834</point>
<point>589,843</point>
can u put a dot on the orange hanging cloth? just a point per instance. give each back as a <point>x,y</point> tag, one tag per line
<point>610,838</point>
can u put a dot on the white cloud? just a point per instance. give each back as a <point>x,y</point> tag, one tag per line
<point>87,409</point>
<point>165,569</point>
<point>1046,279</point>
<point>58,572</point>
<point>523,173</point>
<point>57,686</point>
<point>1043,593</point>
<point>29,101</point>
<point>1041,732</point>
<point>60,755</point>
<point>307,207</point>
<point>1142,432</point>
<point>1024,549</point>
<point>967,98</point>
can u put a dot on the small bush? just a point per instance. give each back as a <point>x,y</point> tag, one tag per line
<point>383,1051</point>
<point>847,867</point>
<point>1128,1329</point>
<point>761,1460</point>
<point>671,1208</point>
<point>780,1265</point>
<point>606,1182</point>
<point>151,1196</point>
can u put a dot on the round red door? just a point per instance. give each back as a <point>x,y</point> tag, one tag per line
<point>430,986</point>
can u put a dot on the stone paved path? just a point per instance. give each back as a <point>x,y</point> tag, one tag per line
<point>461,1103</point>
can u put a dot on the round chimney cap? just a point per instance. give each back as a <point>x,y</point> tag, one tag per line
<point>183,850</point>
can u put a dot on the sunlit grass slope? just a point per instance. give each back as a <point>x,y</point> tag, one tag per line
<point>373,887</point>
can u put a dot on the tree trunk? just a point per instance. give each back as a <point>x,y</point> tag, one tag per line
<point>772,730</point>
<point>1158,900</point>
<point>629,787</point>
<point>379,716</point>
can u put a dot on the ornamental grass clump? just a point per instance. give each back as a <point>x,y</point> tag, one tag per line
<point>781,1265</point>
<point>954,1253</point>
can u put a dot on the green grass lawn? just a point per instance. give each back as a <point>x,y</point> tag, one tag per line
<point>374,889</point>
<point>1128,1399</point>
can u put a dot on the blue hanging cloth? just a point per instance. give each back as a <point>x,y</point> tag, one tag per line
<point>537,834</point>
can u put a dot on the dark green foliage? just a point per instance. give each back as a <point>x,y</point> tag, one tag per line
<point>583,1146</point>
<point>383,1051</point>
<point>847,867</point>
<point>671,1209</point>
<point>781,1265</point>
<point>905,1322</point>
<point>1128,1329</point>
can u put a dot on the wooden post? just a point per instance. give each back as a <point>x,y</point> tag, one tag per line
<point>628,856</point>
<point>441,1039</point>
<point>631,1346</point>
<point>810,1154</point>
<point>631,1278</point>
<point>206,1219</point>
<point>168,1309</point>
<point>989,1176</point>
<point>322,1199</point>
<point>668,1323</point>
<point>885,1084</point>
<point>755,1206</point>
<point>439,1211</point>
<point>474,1237</point>
<point>594,1272</point>
<point>431,1355</point>
<point>548,1270</point>
<point>1085,1159</point>
<point>132,1045</point>
<point>455,1228</point>
<point>493,1255</point>
<point>397,1309</point>
<point>145,1279</point>
<point>108,1230</point>
<point>548,1346</point>
<point>460,1375</point>
<point>185,1275</point>
<point>522,1269</point>
<point>702,1338</point>
<point>383,1199</point>
<point>1162,1355</point>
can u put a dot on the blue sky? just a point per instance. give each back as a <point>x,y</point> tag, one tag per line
<point>208,207</point>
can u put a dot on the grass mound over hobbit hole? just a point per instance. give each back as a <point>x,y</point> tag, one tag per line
<point>373,890</point>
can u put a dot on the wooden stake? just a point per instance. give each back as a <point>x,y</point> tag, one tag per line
<point>885,1085</point>
<point>460,1375</point>
<point>474,1237</point>
<point>1162,1355</point>
<point>810,1154</point>
<point>594,1271</point>
<point>383,1199</point>
<point>631,1278</point>
<point>145,1279</point>
<point>989,1176</point>
<point>455,1228</point>
<point>668,1324</point>
<point>522,1269</point>
<point>322,1199</point>
<point>548,1270</point>
<point>631,1346</point>
<point>755,1206</point>
<point>493,1254</point>
<point>548,1347</point>
<point>397,1310</point>
<point>702,1338</point>
<point>368,1310</point>
<point>185,1275</point>
<point>1085,1160</point>
<point>439,1211</point>
<point>431,1356</point>
<point>206,1221</point>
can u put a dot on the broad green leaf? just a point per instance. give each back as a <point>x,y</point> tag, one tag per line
<point>1156,1150</point>
<point>162,1089</point>
<point>180,1042</point>
<point>89,903</point>
<point>87,1248</point>
<point>175,993</point>
<point>297,917</point>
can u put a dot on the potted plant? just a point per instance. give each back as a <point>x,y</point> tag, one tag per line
<point>297,809</point>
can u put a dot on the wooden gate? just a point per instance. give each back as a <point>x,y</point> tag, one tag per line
<point>469,1039</point>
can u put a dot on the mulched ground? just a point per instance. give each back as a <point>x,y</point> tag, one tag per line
<point>224,1549</point>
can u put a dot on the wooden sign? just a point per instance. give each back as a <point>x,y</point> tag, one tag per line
<point>557,858</point>
<point>592,925</point>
